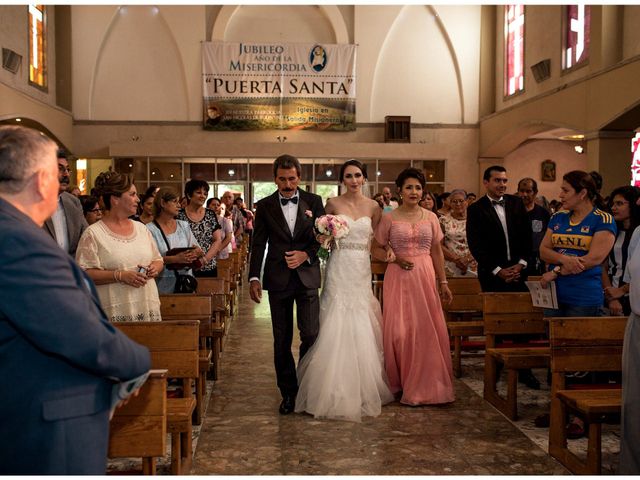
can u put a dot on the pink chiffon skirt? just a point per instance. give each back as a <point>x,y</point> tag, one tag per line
<point>416,343</point>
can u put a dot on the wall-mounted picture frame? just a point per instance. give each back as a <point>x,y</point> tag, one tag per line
<point>548,171</point>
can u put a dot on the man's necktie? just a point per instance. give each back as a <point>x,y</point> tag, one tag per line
<point>498,202</point>
<point>293,200</point>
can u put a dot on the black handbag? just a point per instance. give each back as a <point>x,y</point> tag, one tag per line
<point>185,283</point>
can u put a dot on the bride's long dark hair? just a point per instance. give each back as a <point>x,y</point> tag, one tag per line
<point>353,163</point>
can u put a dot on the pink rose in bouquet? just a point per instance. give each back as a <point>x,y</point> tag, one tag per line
<point>334,228</point>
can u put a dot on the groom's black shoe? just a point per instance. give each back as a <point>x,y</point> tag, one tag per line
<point>288,405</point>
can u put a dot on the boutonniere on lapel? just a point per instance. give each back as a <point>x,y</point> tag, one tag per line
<point>308,213</point>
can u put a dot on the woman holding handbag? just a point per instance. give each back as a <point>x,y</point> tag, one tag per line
<point>203,223</point>
<point>175,241</point>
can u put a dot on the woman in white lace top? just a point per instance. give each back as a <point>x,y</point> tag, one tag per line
<point>120,254</point>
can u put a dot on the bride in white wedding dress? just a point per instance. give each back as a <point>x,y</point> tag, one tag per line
<point>342,375</point>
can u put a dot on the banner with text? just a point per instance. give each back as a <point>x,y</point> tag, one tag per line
<point>253,86</point>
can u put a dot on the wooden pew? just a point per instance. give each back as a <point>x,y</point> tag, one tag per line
<point>228,263</point>
<point>463,315</point>
<point>139,428</point>
<point>510,314</point>
<point>174,347</point>
<point>225,271</point>
<point>237,265</point>
<point>195,307</point>
<point>377,271</point>
<point>219,291</point>
<point>244,254</point>
<point>583,344</point>
<point>216,286</point>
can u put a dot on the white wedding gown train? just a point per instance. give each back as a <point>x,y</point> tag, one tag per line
<point>342,375</point>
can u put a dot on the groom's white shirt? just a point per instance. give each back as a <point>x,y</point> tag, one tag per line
<point>290,212</point>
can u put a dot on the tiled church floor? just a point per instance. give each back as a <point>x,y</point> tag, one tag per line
<point>244,434</point>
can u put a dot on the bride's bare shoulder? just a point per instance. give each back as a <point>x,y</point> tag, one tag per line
<point>332,204</point>
<point>371,203</point>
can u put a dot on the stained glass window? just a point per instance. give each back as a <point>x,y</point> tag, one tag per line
<point>37,45</point>
<point>577,26</point>
<point>514,42</point>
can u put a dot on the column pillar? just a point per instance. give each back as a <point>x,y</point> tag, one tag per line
<point>610,154</point>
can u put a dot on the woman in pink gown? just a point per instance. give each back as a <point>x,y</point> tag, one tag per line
<point>416,344</point>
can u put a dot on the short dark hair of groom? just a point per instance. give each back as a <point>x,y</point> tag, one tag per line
<point>493,168</point>
<point>286,162</point>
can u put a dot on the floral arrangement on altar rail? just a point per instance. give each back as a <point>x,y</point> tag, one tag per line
<point>332,227</point>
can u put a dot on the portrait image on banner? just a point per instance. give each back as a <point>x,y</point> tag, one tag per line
<point>254,86</point>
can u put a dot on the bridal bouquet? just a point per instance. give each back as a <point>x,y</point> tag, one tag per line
<point>333,227</point>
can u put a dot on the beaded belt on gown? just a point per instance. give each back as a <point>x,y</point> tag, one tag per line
<point>363,247</point>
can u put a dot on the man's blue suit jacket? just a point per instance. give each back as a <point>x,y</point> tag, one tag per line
<point>59,357</point>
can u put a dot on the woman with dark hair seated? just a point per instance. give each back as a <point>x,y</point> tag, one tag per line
<point>204,224</point>
<point>627,217</point>
<point>91,208</point>
<point>443,204</point>
<point>145,208</point>
<point>416,342</point>
<point>120,255</point>
<point>378,197</point>
<point>170,233</point>
<point>429,202</point>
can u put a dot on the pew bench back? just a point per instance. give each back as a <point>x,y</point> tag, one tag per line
<point>592,344</point>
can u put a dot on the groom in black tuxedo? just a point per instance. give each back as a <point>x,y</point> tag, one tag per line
<point>284,221</point>
<point>499,235</point>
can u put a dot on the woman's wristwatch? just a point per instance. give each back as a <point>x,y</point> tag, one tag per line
<point>556,270</point>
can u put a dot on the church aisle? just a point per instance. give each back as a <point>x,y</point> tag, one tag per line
<point>243,433</point>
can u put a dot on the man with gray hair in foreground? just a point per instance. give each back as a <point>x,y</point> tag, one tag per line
<point>59,357</point>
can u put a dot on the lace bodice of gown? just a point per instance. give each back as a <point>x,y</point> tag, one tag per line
<point>349,267</point>
<point>411,239</point>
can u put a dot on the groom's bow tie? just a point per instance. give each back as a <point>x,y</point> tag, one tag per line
<point>498,202</point>
<point>293,200</point>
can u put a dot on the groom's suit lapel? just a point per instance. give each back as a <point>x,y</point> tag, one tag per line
<point>491,213</point>
<point>301,218</point>
<point>276,212</point>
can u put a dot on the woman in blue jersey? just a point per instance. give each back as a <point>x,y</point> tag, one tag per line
<point>579,237</point>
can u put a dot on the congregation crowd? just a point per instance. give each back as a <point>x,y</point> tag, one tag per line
<point>583,242</point>
<point>622,205</point>
<point>129,249</point>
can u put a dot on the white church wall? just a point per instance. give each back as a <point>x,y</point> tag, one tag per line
<point>419,60</point>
